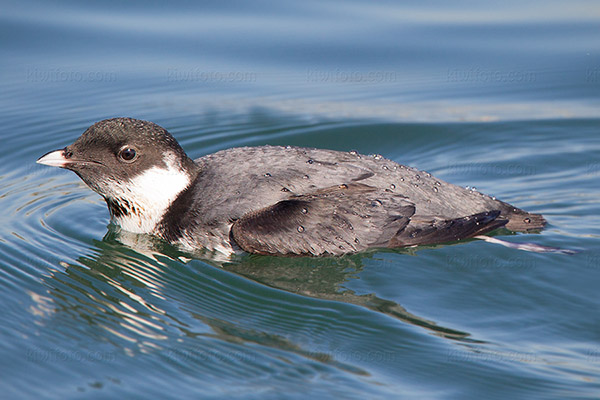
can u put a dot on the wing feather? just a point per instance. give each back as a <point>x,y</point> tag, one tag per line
<point>337,220</point>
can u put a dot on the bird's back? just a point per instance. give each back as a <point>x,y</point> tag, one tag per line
<point>238,181</point>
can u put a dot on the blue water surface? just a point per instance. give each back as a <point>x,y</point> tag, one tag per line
<point>504,97</point>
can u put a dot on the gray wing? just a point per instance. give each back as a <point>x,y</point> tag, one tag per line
<point>335,220</point>
<point>350,218</point>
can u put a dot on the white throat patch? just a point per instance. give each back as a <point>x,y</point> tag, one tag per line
<point>141,202</point>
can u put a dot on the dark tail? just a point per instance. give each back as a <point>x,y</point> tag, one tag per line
<point>522,221</point>
<point>434,232</point>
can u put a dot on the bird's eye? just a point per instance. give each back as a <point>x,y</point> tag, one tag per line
<point>128,154</point>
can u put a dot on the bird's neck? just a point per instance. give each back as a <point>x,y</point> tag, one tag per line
<point>139,205</point>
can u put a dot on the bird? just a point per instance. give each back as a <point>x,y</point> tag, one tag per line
<point>274,200</point>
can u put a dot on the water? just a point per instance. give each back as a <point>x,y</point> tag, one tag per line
<point>499,96</point>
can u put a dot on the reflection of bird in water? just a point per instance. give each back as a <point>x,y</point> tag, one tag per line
<point>324,279</point>
<point>128,291</point>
